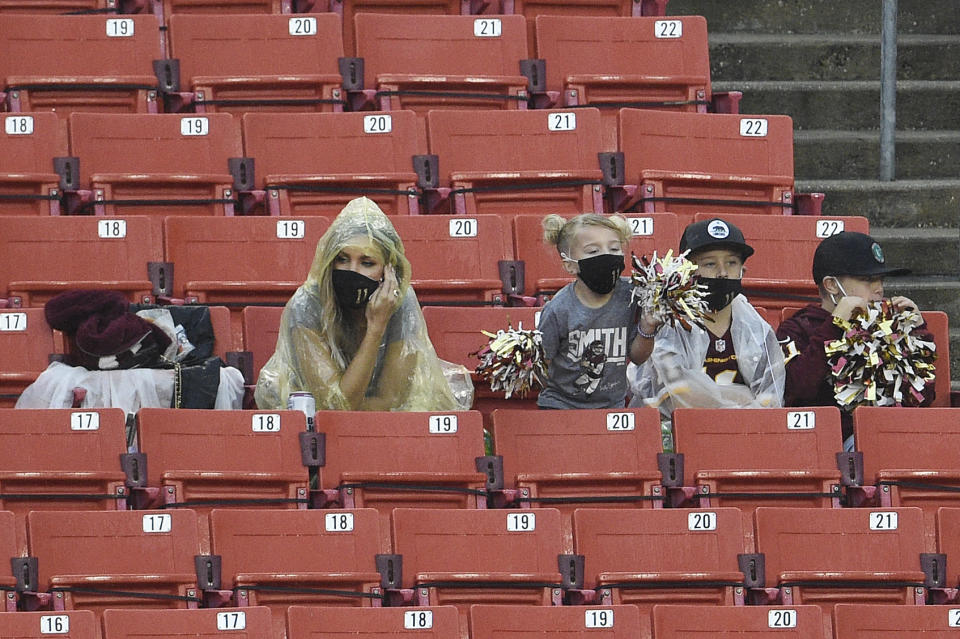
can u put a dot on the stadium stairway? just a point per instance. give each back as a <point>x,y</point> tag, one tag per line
<point>819,62</point>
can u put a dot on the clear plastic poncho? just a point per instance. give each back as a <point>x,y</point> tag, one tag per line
<point>673,377</point>
<point>316,344</point>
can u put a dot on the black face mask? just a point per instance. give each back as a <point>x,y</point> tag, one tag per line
<point>601,272</point>
<point>721,291</point>
<point>352,289</point>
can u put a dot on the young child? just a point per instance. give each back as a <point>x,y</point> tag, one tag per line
<point>849,269</point>
<point>589,327</point>
<point>736,361</point>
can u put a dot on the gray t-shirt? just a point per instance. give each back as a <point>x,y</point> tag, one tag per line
<point>588,349</point>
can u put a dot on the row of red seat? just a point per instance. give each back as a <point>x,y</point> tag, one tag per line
<point>467,162</point>
<point>278,558</point>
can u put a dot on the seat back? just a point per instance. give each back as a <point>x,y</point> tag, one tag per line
<point>350,9</point>
<point>27,342</point>
<point>314,622</point>
<point>261,327</point>
<point>46,255</point>
<point>33,7</point>
<point>80,62</point>
<point>8,548</point>
<point>890,438</point>
<point>757,622</point>
<point>948,543</point>
<point>258,62</point>
<point>66,624</point>
<point>251,622</point>
<point>241,259</point>
<point>30,142</point>
<point>937,323</point>
<point>532,9</point>
<point>455,331</point>
<point>543,269</point>
<point>861,621</point>
<point>687,158</point>
<point>210,458</point>
<point>554,621</point>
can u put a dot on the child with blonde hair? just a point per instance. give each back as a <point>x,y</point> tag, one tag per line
<point>589,327</point>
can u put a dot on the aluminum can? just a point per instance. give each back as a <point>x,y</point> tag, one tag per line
<point>304,402</point>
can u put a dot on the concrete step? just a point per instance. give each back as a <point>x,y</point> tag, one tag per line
<point>820,154</point>
<point>820,16</point>
<point>749,56</point>
<point>933,251</point>
<point>928,293</point>
<point>904,203</point>
<point>851,105</point>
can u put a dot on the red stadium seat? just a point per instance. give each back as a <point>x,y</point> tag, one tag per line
<point>33,7</point>
<point>543,270</point>
<point>74,624</point>
<point>420,63</point>
<point>613,63</point>
<point>162,165</point>
<point>464,557</point>
<point>401,459</point>
<point>315,622</point>
<point>278,558</point>
<point>549,622</point>
<point>588,458</point>
<point>757,622</point>
<point>791,459</point>
<point>511,162</point>
<point>241,623</point>
<point>202,459</point>
<point>121,559</point>
<point>713,163</point>
<point>651,556</point>
<point>240,63</point>
<point>8,548</point>
<point>912,455</point>
<point>261,326</point>
<point>374,157</point>
<point>176,7</point>
<point>98,63</point>
<point>853,621</point>
<point>29,177</point>
<point>46,255</point>
<point>457,258</point>
<point>26,341</point>
<point>948,543</point>
<point>54,459</point>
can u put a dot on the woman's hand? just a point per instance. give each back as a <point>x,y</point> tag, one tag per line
<point>383,302</point>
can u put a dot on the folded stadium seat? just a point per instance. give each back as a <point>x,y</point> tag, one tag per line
<point>313,164</point>
<point>421,62</point>
<point>386,460</point>
<point>511,162</point>
<point>464,557</point>
<point>8,548</point>
<point>458,259</point>
<point>791,459</point>
<point>590,458</point>
<point>202,459</point>
<point>456,334</point>
<point>650,556</point>
<point>61,459</point>
<point>756,622</point>
<point>74,624</point>
<point>348,9</point>
<point>778,274</point>
<point>240,623</point>
<point>554,621</point>
<point>315,622</point>
<point>27,342</point>
<point>121,559</point>
<point>240,63</point>
<point>162,165</point>
<point>713,163</point>
<point>543,270</point>
<point>277,558</point>
<point>838,555</point>
<point>912,456</point>
<point>261,326</point>
<point>853,621</point>
<point>46,255</point>
<point>31,174</point>
<point>611,63</point>
<point>948,544</point>
<point>33,7</point>
<point>97,63</point>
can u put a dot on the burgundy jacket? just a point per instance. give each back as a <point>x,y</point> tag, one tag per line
<point>808,376</point>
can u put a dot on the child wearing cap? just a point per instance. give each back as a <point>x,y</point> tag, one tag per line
<point>849,269</point>
<point>735,361</point>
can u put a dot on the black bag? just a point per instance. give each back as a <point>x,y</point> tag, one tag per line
<point>196,386</point>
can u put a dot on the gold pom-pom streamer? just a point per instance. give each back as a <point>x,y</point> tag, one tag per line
<point>668,289</point>
<point>879,361</point>
<point>512,361</point>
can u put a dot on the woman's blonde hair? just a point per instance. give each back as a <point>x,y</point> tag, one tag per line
<point>560,232</point>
